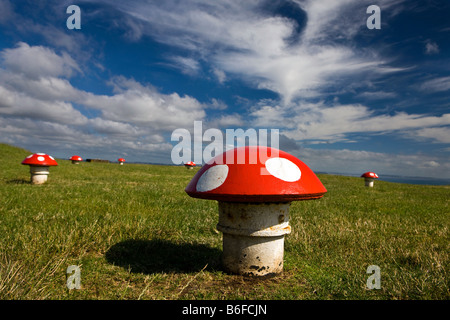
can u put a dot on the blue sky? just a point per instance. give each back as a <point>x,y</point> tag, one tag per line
<point>345,98</point>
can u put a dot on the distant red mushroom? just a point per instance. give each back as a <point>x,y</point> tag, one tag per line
<point>121,161</point>
<point>369,177</point>
<point>189,165</point>
<point>76,159</point>
<point>254,200</point>
<point>39,166</point>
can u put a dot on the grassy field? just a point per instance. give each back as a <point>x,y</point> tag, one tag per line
<point>135,234</point>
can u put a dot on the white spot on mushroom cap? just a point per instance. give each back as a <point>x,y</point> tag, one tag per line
<point>51,157</point>
<point>29,156</point>
<point>283,169</point>
<point>212,178</point>
<point>41,158</point>
<point>40,154</point>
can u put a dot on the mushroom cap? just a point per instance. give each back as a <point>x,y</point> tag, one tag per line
<point>190,164</point>
<point>369,174</point>
<point>121,160</point>
<point>40,159</point>
<point>280,177</point>
<point>76,158</point>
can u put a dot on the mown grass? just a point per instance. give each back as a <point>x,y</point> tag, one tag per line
<point>135,234</point>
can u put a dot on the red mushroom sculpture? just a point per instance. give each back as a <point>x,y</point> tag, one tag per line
<point>369,177</point>
<point>189,165</point>
<point>121,161</point>
<point>254,200</point>
<point>76,159</point>
<point>39,166</point>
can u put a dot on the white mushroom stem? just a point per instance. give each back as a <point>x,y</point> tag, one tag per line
<point>253,236</point>
<point>75,162</point>
<point>39,174</point>
<point>369,182</point>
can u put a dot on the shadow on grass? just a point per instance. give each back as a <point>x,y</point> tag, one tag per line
<point>18,181</point>
<point>155,256</point>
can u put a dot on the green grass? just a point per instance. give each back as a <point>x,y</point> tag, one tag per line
<point>135,234</point>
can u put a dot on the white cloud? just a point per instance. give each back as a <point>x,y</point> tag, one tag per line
<point>431,163</point>
<point>330,19</point>
<point>436,85</point>
<point>38,61</point>
<point>220,75</point>
<point>267,116</point>
<point>161,112</point>
<point>359,161</point>
<point>15,103</point>
<point>40,107</point>
<point>187,66</point>
<point>377,95</point>
<point>113,128</point>
<point>32,85</point>
<point>431,47</point>
<point>38,132</point>
<point>45,88</point>
<point>239,38</point>
<point>333,123</point>
<point>217,104</point>
<point>300,71</point>
<point>227,121</point>
<point>437,134</point>
<point>43,92</point>
<point>325,17</point>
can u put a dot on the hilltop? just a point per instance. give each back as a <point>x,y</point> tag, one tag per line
<point>136,234</point>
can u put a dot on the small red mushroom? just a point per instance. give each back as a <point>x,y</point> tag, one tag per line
<point>121,161</point>
<point>76,159</point>
<point>369,177</point>
<point>254,199</point>
<point>189,165</point>
<point>39,166</point>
